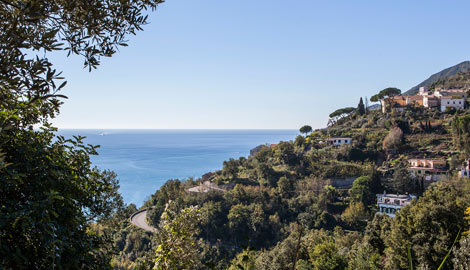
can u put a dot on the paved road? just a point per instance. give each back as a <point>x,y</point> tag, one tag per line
<point>138,220</point>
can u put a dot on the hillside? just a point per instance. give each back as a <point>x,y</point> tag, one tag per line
<point>448,72</point>
<point>311,200</point>
<point>460,80</point>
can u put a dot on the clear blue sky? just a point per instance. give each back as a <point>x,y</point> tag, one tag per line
<point>213,64</point>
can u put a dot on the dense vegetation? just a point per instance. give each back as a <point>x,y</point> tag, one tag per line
<point>457,81</point>
<point>302,204</point>
<point>50,195</point>
<point>294,206</point>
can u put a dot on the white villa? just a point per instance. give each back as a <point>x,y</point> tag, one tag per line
<point>390,204</point>
<point>457,102</point>
<point>338,141</point>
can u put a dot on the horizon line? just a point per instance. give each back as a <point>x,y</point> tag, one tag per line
<point>177,129</point>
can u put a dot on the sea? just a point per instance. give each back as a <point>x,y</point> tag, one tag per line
<point>145,159</point>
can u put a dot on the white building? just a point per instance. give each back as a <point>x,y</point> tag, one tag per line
<point>430,101</point>
<point>338,141</point>
<point>424,91</point>
<point>454,101</point>
<point>464,171</point>
<point>450,92</point>
<point>390,204</point>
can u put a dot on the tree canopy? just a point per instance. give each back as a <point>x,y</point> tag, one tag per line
<point>360,107</point>
<point>342,111</point>
<point>305,129</point>
<point>385,93</point>
<point>177,246</point>
<point>49,192</point>
<point>428,227</point>
<point>461,133</point>
<point>30,30</point>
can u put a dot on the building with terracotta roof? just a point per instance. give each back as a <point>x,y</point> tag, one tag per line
<point>429,169</point>
<point>441,98</point>
<point>399,103</point>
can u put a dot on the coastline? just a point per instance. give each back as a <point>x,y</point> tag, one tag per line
<point>145,159</point>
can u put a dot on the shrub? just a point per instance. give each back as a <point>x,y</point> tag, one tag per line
<point>393,140</point>
<point>354,213</point>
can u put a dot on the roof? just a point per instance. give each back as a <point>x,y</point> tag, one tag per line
<point>454,90</point>
<point>428,159</point>
<point>397,196</point>
<point>452,97</point>
<point>415,97</point>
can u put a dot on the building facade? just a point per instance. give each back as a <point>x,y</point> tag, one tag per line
<point>424,91</point>
<point>429,169</point>
<point>439,99</point>
<point>390,204</point>
<point>338,141</point>
<point>431,101</point>
<point>457,102</point>
<point>464,171</point>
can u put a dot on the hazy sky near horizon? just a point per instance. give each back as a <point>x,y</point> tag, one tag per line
<point>212,64</point>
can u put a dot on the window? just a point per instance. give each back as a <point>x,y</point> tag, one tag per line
<point>454,102</point>
<point>460,102</point>
<point>339,141</point>
<point>345,141</point>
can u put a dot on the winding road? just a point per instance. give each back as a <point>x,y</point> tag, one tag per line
<point>138,219</point>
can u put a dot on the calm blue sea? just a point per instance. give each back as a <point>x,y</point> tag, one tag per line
<point>145,159</point>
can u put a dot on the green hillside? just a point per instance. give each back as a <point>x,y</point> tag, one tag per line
<point>294,205</point>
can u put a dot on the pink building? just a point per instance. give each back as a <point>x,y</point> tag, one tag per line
<point>429,169</point>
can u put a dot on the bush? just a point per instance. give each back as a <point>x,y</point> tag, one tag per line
<point>393,140</point>
<point>450,110</point>
<point>325,256</point>
<point>354,213</point>
<point>462,258</point>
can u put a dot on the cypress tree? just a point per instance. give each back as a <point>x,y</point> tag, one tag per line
<point>360,107</point>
